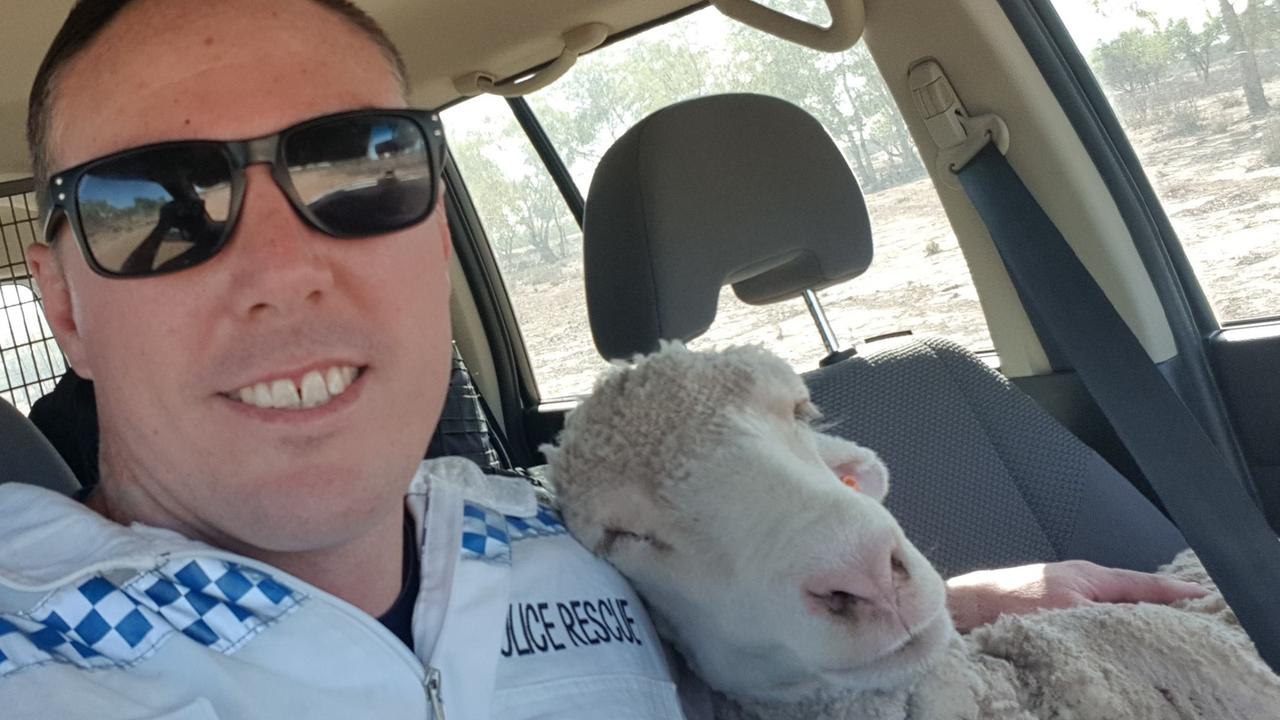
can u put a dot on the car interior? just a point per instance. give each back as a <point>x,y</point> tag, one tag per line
<point>1049,441</point>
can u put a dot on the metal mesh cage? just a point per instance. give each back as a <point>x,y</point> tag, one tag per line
<point>30,361</point>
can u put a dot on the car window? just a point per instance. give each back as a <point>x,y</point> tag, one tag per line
<point>918,282</point>
<point>1196,84</point>
<point>534,239</point>
<point>30,361</point>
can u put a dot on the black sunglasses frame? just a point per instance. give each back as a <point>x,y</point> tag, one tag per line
<point>62,197</point>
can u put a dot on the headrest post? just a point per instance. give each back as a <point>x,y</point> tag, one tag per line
<point>820,319</point>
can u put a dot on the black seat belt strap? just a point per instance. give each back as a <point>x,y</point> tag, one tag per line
<point>1204,497</point>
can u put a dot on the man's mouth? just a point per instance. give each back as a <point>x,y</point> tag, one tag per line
<point>311,390</point>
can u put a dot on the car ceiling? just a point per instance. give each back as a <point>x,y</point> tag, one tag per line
<point>440,39</point>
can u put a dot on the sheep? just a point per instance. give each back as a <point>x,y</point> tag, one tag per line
<point>766,559</point>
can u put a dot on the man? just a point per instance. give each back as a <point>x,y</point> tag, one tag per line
<point>270,349</point>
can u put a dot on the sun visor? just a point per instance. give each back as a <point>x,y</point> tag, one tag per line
<point>847,20</point>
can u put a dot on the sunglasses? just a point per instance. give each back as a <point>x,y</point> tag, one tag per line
<point>162,208</point>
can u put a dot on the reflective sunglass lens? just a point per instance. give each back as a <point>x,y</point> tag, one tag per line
<point>156,210</point>
<point>362,176</point>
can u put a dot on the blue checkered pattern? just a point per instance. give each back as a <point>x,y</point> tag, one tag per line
<point>215,603</point>
<point>484,534</point>
<point>97,623</point>
<point>547,522</point>
<point>92,624</point>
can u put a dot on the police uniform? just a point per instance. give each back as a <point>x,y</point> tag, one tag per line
<point>514,619</point>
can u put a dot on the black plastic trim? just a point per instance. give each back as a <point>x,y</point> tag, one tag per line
<point>17,187</point>
<point>1251,322</point>
<point>496,314</point>
<point>550,157</point>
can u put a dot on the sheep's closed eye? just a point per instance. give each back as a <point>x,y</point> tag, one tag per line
<point>806,412</point>
<point>613,536</point>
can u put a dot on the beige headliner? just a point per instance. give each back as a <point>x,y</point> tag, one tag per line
<point>440,39</point>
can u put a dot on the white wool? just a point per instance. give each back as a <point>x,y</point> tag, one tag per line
<point>698,476</point>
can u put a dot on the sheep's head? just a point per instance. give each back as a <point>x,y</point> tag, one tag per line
<point>700,476</point>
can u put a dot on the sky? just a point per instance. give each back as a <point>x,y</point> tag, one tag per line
<point>1089,26</point>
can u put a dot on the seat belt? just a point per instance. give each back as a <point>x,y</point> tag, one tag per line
<point>1206,500</point>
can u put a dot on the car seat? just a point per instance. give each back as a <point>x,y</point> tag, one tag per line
<point>26,455</point>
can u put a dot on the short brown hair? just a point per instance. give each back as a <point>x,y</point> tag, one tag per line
<point>89,17</point>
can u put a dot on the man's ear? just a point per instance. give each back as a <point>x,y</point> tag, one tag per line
<point>58,308</point>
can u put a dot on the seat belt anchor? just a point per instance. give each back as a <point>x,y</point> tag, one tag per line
<point>958,135</point>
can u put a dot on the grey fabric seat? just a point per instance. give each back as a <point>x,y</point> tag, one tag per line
<point>981,476</point>
<point>748,191</point>
<point>26,456</point>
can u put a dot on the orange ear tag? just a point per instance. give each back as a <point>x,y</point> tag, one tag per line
<point>851,481</point>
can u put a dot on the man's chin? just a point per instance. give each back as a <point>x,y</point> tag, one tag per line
<point>307,505</point>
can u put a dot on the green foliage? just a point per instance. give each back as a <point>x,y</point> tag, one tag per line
<point>520,206</point>
<point>844,92</point>
<point>1195,47</point>
<point>1137,59</point>
<point>1260,22</point>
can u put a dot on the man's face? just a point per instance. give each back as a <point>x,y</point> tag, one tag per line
<point>169,354</point>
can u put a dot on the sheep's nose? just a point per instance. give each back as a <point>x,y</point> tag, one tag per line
<point>870,581</point>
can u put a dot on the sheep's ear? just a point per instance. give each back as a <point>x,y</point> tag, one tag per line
<point>860,465</point>
<point>868,478</point>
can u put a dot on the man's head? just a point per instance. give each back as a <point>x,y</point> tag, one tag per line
<point>88,19</point>
<point>169,354</point>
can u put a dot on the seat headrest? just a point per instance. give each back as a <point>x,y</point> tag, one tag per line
<point>738,189</point>
<point>28,456</point>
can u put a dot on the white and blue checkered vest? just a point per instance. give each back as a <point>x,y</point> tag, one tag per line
<point>514,619</point>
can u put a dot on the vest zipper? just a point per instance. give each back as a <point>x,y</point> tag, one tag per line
<point>433,693</point>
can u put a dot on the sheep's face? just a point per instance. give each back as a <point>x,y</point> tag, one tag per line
<point>760,560</point>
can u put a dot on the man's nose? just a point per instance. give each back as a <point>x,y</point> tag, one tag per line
<point>280,263</point>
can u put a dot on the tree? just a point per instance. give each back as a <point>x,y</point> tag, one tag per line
<point>843,91</point>
<point>1265,19</point>
<point>1135,60</point>
<point>520,205</point>
<point>1195,47</point>
<point>1261,23</point>
<point>610,92</point>
<point>1250,78</point>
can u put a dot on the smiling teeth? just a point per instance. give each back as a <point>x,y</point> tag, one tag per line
<point>316,389</point>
